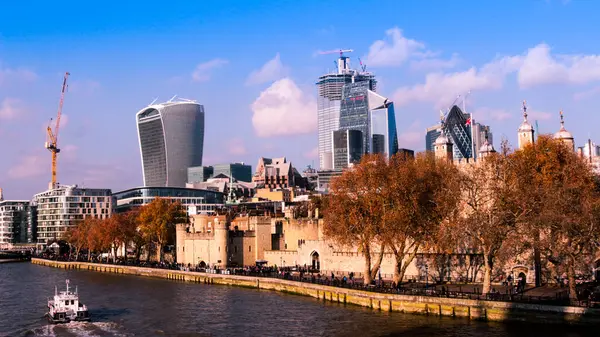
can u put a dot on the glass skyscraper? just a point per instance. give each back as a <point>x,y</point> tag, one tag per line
<point>457,126</point>
<point>373,115</point>
<point>171,138</point>
<point>329,89</point>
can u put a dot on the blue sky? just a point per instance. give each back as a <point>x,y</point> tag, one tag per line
<point>253,65</point>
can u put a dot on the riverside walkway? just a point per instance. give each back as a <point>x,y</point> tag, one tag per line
<point>473,306</point>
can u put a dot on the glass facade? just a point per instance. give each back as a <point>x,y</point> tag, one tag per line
<point>378,144</point>
<point>455,125</point>
<point>383,123</point>
<point>171,137</point>
<point>134,197</point>
<point>348,148</point>
<point>329,97</point>
<point>199,174</point>
<point>354,112</point>
<point>238,171</point>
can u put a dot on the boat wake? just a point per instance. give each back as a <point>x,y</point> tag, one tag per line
<point>95,329</point>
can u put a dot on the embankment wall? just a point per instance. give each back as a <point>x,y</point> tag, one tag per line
<point>472,309</point>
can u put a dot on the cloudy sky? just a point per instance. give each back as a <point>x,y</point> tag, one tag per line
<point>253,65</point>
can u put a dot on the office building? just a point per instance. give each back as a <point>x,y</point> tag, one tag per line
<point>196,201</point>
<point>329,97</point>
<point>171,138</point>
<point>378,144</point>
<point>62,207</point>
<point>348,148</point>
<point>371,114</point>
<point>383,123</point>
<point>239,171</point>
<point>14,222</point>
<point>432,134</point>
<point>457,126</point>
<point>198,174</point>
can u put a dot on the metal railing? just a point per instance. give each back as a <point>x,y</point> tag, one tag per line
<point>384,287</point>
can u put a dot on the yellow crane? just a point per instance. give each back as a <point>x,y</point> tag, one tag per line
<point>52,136</point>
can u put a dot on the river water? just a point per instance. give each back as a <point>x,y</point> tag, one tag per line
<point>138,306</point>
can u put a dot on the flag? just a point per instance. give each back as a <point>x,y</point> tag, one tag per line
<point>468,122</point>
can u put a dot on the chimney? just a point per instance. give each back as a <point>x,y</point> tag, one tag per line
<point>1,195</point>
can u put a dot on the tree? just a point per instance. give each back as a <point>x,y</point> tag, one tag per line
<point>353,212</point>
<point>563,196</point>
<point>489,214</point>
<point>420,194</point>
<point>76,237</point>
<point>158,220</point>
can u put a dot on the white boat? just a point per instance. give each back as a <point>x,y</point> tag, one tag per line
<point>65,307</point>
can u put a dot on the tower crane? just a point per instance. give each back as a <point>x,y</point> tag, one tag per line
<point>52,136</point>
<point>341,51</point>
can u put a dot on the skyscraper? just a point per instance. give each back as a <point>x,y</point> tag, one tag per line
<point>171,137</point>
<point>329,88</point>
<point>458,125</point>
<point>348,148</point>
<point>372,114</point>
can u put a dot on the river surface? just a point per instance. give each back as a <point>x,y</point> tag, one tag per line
<point>138,306</point>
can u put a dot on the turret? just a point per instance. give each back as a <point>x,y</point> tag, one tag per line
<point>443,145</point>
<point>221,232</point>
<point>565,136</point>
<point>487,148</point>
<point>180,233</point>
<point>525,131</point>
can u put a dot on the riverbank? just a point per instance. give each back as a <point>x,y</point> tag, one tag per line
<point>471,309</point>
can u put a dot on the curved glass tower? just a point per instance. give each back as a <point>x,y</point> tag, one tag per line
<point>171,137</point>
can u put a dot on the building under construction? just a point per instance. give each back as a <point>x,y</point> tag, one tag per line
<point>329,98</point>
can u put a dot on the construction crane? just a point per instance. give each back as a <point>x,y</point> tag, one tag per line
<point>52,136</point>
<point>341,51</point>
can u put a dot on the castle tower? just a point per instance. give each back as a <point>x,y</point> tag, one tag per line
<point>221,232</point>
<point>565,136</point>
<point>180,233</point>
<point>443,147</point>
<point>487,148</point>
<point>526,131</point>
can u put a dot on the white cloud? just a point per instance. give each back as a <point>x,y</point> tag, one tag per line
<point>442,88</point>
<point>393,51</point>
<point>11,108</point>
<point>8,75</point>
<point>236,147</point>
<point>540,67</point>
<point>435,63</point>
<point>270,71</point>
<point>413,137</point>
<point>586,94</point>
<point>203,70</point>
<point>284,109</point>
<point>486,114</point>
<point>31,165</point>
<point>312,154</point>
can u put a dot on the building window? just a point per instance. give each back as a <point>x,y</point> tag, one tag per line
<point>235,248</point>
<point>249,248</point>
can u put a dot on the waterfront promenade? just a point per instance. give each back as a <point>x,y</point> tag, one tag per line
<point>471,308</point>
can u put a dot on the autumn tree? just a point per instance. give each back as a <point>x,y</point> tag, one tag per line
<point>561,193</point>
<point>488,211</point>
<point>419,195</point>
<point>354,211</point>
<point>157,222</point>
<point>76,237</point>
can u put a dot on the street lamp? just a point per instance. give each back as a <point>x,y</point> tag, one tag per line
<point>426,276</point>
